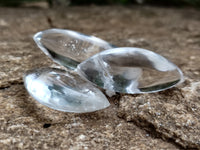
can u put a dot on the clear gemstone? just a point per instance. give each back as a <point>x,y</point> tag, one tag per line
<point>64,91</point>
<point>130,70</point>
<point>124,70</point>
<point>67,47</point>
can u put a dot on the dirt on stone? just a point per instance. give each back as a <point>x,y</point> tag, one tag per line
<point>164,120</point>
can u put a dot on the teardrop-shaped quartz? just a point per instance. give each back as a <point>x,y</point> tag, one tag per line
<point>67,47</point>
<point>64,91</point>
<point>130,70</point>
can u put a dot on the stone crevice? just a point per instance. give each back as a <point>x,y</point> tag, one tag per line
<point>151,130</point>
<point>9,84</point>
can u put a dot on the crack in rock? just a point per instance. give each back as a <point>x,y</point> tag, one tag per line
<point>9,84</point>
<point>171,114</point>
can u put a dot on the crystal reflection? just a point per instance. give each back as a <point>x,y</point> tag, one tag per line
<point>64,91</point>
<point>69,48</point>
<point>130,70</point>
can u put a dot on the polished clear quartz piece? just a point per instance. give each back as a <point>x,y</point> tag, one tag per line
<point>124,70</point>
<point>64,91</point>
<point>67,47</point>
<point>130,70</point>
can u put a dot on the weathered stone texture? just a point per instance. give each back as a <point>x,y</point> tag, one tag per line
<point>164,120</point>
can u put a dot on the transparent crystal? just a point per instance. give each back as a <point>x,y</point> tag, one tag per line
<point>67,47</point>
<point>64,91</point>
<point>124,70</point>
<point>130,70</point>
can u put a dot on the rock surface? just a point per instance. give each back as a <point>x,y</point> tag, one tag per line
<point>164,120</point>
